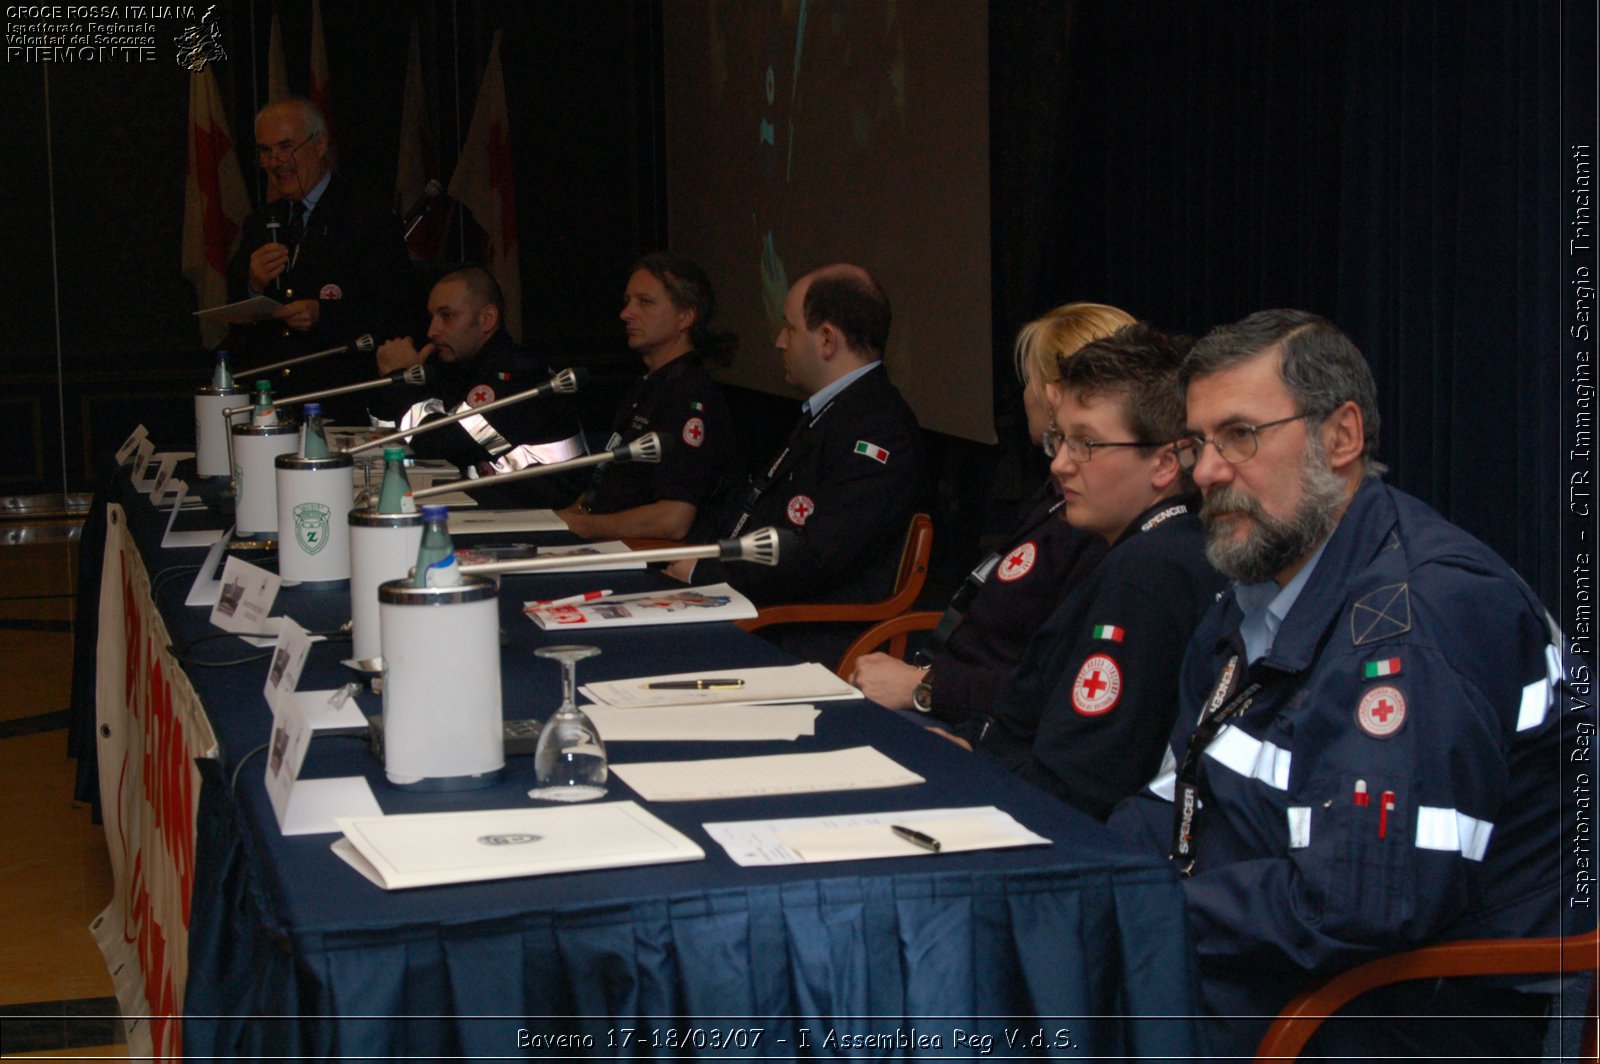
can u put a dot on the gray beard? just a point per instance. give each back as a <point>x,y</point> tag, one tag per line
<point>1274,544</point>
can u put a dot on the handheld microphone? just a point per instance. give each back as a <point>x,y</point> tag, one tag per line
<point>646,448</point>
<point>273,225</point>
<point>764,546</point>
<point>564,383</point>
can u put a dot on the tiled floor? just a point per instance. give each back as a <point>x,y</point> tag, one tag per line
<point>55,996</point>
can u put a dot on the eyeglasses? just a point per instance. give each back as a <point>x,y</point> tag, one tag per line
<point>1081,448</point>
<point>286,149</point>
<point>1236,443</point>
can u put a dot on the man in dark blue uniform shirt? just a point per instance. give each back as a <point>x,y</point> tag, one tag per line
<point>1087,711</point>
<point>667,309</point>
<point>475,362</point>
<point>1372,720</point>
<point>848,480</point>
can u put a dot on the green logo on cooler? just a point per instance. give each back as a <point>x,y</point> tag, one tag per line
<point>311,526</point>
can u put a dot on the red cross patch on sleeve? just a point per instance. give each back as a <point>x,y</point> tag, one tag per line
<point>480,395</point>
<point>800,509</point>
<point>694,432</point>
<point>1381,712</point>
<point>1097,687</point>
<point>1016,563</point>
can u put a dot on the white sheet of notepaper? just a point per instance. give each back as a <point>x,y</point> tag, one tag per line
<point>703,723</point>
<point>808,682</point>
<point>477,521</point>
<point>857,768</point>
<point>857,836</point>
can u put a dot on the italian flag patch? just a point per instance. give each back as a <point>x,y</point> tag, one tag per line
<point>1387,667</point>
<point>503,375</point>
<point>697,406</point>
<point>873,451</point>
<point>1108,631</point>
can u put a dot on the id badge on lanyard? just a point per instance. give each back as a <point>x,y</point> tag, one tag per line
<point>1186,786</point>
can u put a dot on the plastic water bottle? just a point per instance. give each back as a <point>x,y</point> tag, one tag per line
<point>264,413</point>
<point>222,377</point>
<point>313,441</point>
<point>394,497</point>
<point>436,556</point>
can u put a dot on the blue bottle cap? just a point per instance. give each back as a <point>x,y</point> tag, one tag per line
<point>435,513</point>
<point>312,410</point>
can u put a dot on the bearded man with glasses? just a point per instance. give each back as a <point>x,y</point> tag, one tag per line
<point>1371,724</point>
<point>339,268</point>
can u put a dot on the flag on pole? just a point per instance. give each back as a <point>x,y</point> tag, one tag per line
<point>277,68</point>
<point>321,87</point>
<point>215,202</point>
<point>483,185</point>
<point>419,158</point>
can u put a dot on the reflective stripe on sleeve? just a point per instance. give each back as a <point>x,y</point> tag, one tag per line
<point>1249,756</point>
<point>477,426</point>
<point>1538,696</point>
<point>1447,829</point>
<point>1299,826</point>
<point>1164,786</point>
<point>529,454</point>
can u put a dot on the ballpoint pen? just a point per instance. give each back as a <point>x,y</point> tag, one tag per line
<point>712,684</point>
<point>917,838</point>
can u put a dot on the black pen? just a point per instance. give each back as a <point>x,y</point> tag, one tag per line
<point>713,684</point>
<point>916,838</point>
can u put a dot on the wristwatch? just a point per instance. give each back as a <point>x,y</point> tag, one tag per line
<point>922,695</point>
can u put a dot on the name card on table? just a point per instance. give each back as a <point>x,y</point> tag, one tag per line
<point>246,599</point>
<point>171,539</point>
<point>303,807</point>
<point>135,438</point>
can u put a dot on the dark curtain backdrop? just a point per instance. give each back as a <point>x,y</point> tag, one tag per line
<point>1393,166</point>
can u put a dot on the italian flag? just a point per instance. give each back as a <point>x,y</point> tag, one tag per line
<point>1108,631</point>
<point>1386,667</point>
<point>872,450</point>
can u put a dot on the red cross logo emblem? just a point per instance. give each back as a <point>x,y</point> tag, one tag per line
<point>800,508</point>
<point>694,432</point>
<point>480,395</point>
<point>1098,686</point>
<point>1015,566</point>
<point>1381,712</point>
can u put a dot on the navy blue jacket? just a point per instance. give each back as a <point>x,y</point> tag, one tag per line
<point>1043,560</point>
<point>1088,710</point>
<point>1394,782</point>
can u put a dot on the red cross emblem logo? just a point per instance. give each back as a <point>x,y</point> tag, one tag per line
<point>480,395</point>
<point>331,291</point>
<point>694,432</point>
<point>1015,566</point>
<point>1098,686</point>
<point>1381,712</point>
<point>800,508</point>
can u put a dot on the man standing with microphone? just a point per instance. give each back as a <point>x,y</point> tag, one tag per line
<point>338,268</point>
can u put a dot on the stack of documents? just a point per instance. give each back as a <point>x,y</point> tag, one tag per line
<point>428,849</point>
<point>809,682</point>
<point>505,521</point>
<point>858,768</point>
<point>854,837</point>
<point>690,605</point>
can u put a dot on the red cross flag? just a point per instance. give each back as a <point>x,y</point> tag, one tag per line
<point>215,203</point>
<point>483,185</point>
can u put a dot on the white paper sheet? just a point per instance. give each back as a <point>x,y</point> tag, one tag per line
<point>689,605</point>
<point>858,768</point>
<point>432,848</point>
<point>808,682</point>
<point>857,836</point>
<point>505,521</point>
<point>322,716</point>
<point>703,723</point>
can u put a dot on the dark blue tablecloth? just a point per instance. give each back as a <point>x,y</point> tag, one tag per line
<point>1077,950</point>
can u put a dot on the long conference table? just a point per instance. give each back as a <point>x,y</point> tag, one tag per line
<point>242,943</point>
